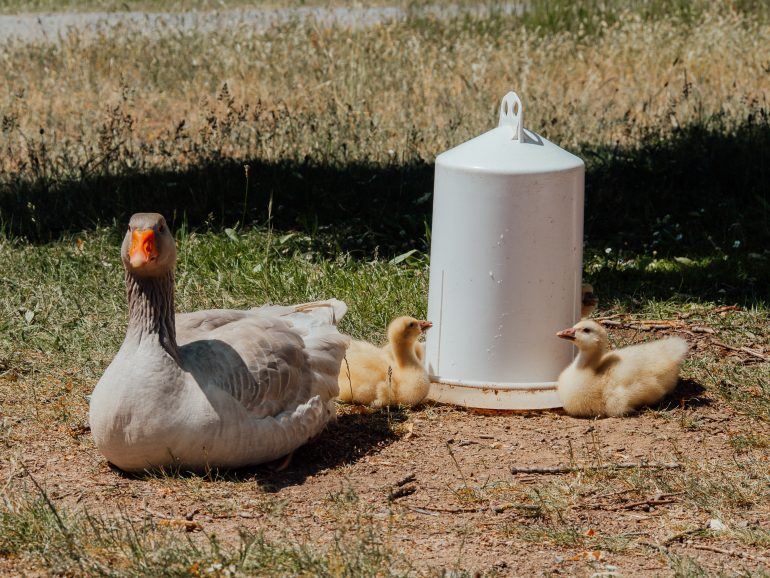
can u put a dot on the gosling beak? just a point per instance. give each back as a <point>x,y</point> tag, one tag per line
<point>568,334</point>
<point>424,325</point>
<point>143,249</point>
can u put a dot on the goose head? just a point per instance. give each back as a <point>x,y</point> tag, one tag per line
<point>407,329</point>
<point>588,336</point>
<point>148,248</point>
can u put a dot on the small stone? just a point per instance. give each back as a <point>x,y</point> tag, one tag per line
<point>717,525</point>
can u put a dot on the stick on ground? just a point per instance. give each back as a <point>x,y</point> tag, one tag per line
<point>570,469</point>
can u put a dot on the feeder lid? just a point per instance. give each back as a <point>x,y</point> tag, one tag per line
<point>509,148</point>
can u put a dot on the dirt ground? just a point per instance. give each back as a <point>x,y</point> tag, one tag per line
<point>462,507</point>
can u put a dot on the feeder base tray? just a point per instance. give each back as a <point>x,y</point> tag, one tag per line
<point>505,396</point>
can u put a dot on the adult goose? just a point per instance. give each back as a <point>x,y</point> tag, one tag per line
<point>218,388</point>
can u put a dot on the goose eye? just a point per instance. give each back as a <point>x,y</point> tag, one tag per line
<point>160,229</point>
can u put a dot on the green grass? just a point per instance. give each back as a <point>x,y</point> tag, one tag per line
<point>67,543</point>
<point>67,297</point>
<point>66,301</point>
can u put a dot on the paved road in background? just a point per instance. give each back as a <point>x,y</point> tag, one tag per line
<point>52,26</point>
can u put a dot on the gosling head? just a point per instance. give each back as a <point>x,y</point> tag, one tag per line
<point>407,329</point>
<point>148,248</point>
<point>589,300</point>
<point>587,336</point>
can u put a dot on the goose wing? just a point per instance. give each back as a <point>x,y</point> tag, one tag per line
<point>269,360</point>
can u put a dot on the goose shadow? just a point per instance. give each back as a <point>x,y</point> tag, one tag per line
<point>353,437</point>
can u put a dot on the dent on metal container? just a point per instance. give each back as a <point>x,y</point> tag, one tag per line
<point>505,268</point>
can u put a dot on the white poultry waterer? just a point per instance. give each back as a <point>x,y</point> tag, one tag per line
<point>505,267</point>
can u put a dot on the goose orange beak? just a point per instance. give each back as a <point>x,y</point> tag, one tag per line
<point>143,247</point>
<point>568,334</point>
<point>425,325</point>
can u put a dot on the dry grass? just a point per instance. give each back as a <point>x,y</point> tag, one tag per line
<point>48,6</point>
<point>620,88</point>
<point>414,88</point>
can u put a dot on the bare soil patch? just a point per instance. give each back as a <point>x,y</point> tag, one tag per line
<point>437,484</point>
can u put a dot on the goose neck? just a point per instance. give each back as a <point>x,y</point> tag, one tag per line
<point>151,309</point>
<point>403,353</point>
<point>589,358</point>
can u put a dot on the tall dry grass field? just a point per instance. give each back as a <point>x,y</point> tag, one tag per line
<point>617,86</point>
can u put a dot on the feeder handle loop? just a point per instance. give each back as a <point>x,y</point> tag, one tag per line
<point>512,113</point>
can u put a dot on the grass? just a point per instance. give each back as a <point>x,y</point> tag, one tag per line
<point>33,6</point>
<point>87,545</point>
<point>339,128</point>
<point>63,317</point>
<point>640,98</point>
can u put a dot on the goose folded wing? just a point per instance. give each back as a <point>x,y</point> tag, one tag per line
<point>260,362</point>
<point>198,325</point>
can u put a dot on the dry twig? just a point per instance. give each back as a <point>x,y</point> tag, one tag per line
<point>405,480</point>
<point>734,553</point>
<point>401,491</point>
<point>651,502</point>
<point>740,350</point>
<point>570,469</point>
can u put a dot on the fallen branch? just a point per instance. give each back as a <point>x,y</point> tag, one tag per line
<point>649,327</point>
<point>740,350</point>
<point>682,535</point>
<point>423,511</point>
<point>735,553</point>
<point>570,469</point>
<point>652,502</point>
<point>657,547</point>
<point>404,481</point>
<point>725,309</point>
<point>500,508</point>
<point>400,492</point>
<point>677,537</point>
<point>453,510</point>
<point>608,317</point>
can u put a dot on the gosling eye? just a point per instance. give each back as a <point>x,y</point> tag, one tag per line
<point>587,330</point>
<point>411,324</point>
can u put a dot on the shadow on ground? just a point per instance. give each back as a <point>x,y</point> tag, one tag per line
<point>704,190</point>
<point>726,278</point>
<point>688,394</point>
<point>357,433</point>
<point>354,436</point>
